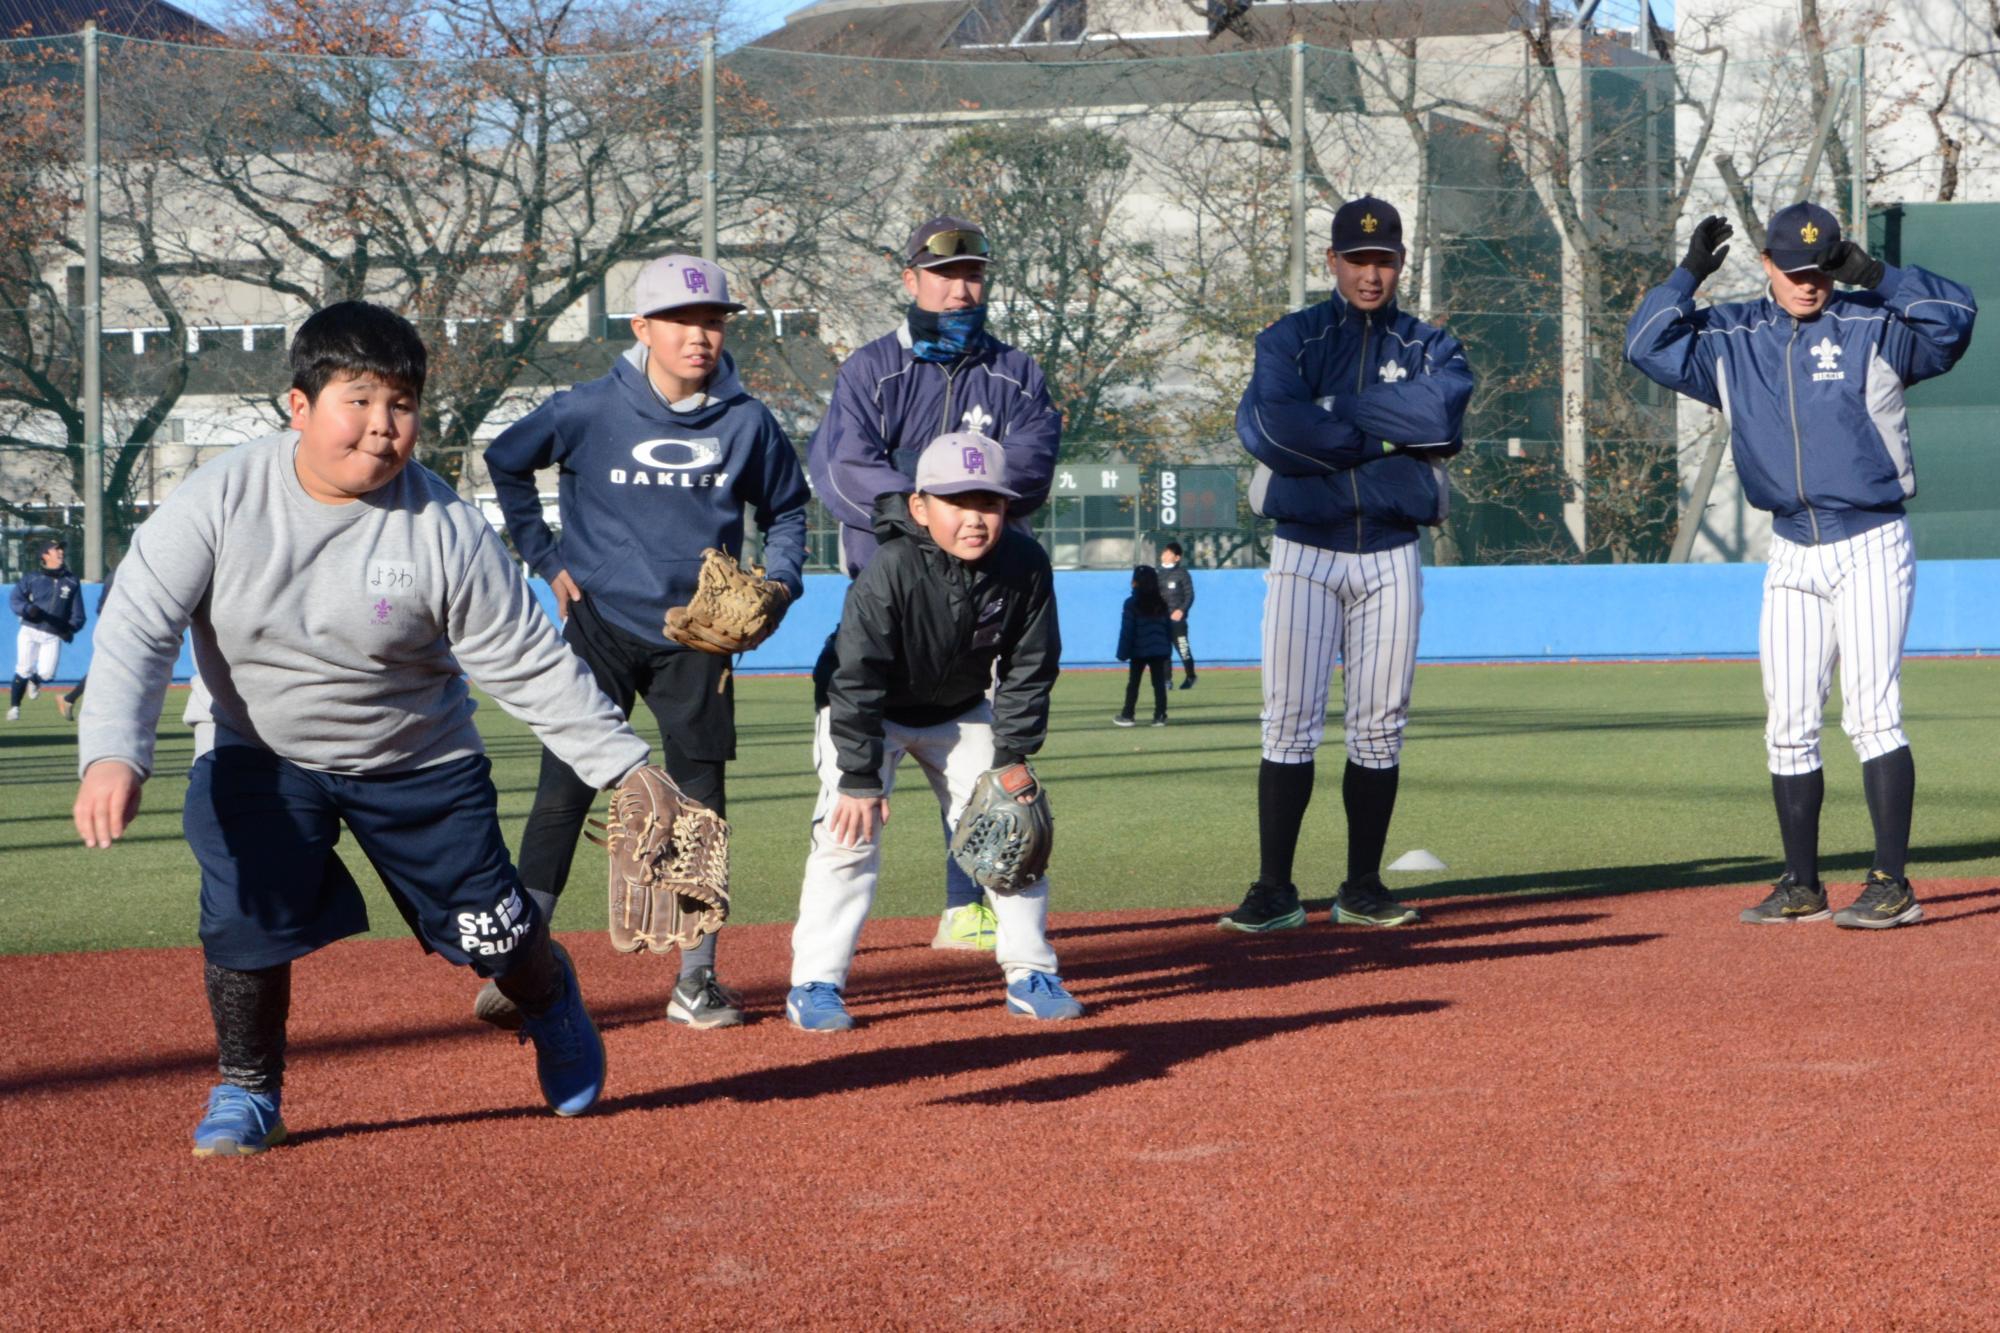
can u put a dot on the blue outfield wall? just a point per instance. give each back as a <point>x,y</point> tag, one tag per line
<point>1499,613</point>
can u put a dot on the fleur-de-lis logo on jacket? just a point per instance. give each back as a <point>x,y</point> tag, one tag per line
<point>1827,352</point>
<point>1392,371</point>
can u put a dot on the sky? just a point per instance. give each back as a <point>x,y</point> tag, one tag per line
<point>757,17</point>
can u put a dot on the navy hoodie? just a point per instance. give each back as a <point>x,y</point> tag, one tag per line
<point>644,486</point>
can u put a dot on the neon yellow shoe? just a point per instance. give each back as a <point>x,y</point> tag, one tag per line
<point>972,926</point>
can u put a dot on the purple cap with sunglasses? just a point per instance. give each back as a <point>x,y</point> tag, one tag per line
<point>963,461</point>
<point>946,240</point>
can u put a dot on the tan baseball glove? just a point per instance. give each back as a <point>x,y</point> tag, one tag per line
<point>669,864</point>
<point>733,609</point>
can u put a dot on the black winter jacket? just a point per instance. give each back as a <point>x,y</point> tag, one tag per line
<point>1177,589</point>
<point>919,636</point>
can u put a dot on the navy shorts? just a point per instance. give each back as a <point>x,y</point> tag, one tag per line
<point>272,888</point>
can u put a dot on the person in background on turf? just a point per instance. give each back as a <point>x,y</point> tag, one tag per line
<point>1145,639</point>
<point>48,601</point>
<point>658,459</point>
<point>1811,383</point>
<point>1177,588</point>
<point>69,703</point>
<point>339,595</point>
<point>956,598</point>
<point>1352,408</point>
<point>939,371</point>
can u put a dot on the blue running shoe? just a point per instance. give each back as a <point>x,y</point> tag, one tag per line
<point>1041,995</point>
<point>239,1122</point>
<point>817,1007</point>
<point>569,1055</point>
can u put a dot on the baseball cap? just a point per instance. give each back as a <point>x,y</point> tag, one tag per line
<point>673,281</point>
<point>963,461</point>
<point>1367,223</point>
<point>1801,236</point>
<point>946,240</point>
<point>48,544</point>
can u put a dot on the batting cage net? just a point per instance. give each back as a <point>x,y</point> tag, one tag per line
<point>1153,201</point>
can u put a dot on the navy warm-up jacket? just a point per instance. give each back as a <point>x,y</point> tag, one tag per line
<point>1815,406</point>
<point>51,600</point>
<point>887,405</point>
<point>1335,395</point>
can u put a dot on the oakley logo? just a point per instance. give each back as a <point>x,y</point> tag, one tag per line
<point>679,455</point>
<point>696,280</point>
<point>973,459</point>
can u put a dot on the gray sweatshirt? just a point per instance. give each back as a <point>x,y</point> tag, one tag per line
<point>336,636</point>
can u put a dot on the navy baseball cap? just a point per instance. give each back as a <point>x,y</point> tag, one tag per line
<point>946,240</point>
<point>1367,223</point>
<point>1801,236</point>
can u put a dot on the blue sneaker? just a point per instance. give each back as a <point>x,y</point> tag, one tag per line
<point>817,1007</point>
<point>1041,995</point>
<point>238,1123</point>
<point>569,1055</point>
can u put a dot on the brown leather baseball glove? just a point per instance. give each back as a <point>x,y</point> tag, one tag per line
<point>733,609</point>
<point>669,864</point>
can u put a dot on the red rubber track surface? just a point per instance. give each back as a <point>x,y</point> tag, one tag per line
<point>1624,1111</point>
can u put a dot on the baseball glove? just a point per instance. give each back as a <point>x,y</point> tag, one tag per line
<point>669,864</point>
<point>733,609</point>
<point>1002,841</point>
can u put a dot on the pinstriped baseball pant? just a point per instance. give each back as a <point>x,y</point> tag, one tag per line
<point>1847,602</point>
<point>1363,609</point>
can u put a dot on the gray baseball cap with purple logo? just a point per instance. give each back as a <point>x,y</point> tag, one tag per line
<point>673,281</point>
<point>963,461</point>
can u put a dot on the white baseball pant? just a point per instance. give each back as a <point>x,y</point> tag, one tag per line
<point>35,654</point>
<point>840,881</point>
<point>1363,609</point>
<point>1846,601</point>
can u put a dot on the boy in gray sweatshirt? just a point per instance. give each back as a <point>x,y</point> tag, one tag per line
<point>338,596</point>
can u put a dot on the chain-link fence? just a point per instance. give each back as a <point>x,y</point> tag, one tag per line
<point>1149,215</point>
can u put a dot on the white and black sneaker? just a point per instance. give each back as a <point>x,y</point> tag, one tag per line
<point>700,1001</point>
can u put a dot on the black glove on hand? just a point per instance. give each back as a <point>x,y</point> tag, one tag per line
<point>34,615</point>
<point>1706,247</point>
<point>1850,264</point>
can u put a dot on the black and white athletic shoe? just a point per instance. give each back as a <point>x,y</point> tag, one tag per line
<point>700,1001</point>
<point>1266,907</point>
<point>1364,902</point>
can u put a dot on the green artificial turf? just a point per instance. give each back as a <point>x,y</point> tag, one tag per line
<point>1522,779</point>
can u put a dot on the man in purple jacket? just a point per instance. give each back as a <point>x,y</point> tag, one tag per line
<point>938,372</point>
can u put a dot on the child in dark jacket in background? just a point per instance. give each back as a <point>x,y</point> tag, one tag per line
<point>1145,639</point>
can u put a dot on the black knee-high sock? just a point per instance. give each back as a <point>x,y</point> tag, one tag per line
<point>535,981</point>
<point>250,1010</point>
<point>1891,784</point>
<point>20,688</point>
<point>1283,793</point>
<point>1798,797</point>
<point>1370,797</point>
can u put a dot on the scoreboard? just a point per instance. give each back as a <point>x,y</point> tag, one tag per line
<point>1197,497</point>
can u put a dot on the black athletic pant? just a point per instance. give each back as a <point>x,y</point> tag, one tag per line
<point>691,696</point>
<point>1140,665</point>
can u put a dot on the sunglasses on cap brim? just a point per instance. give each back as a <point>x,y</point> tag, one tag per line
<point>955,245</point>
